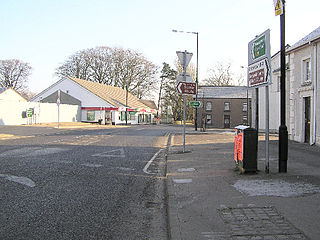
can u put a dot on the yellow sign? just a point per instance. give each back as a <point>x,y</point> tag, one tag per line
<point>278,7</point>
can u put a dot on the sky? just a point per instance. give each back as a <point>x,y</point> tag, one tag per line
<point>45,32</point>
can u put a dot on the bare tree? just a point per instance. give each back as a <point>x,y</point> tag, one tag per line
<point>14,73</point>
<point>220,75</point>
<point>119,67</point>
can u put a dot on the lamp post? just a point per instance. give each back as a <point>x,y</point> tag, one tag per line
<point>197,74</point>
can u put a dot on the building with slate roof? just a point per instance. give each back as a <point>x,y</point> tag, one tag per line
<point>99,102</point>
<point>224,107</point>
<point>302,91</point>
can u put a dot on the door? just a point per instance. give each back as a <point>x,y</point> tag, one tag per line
<point>226,121</point>
<point>307,117</point>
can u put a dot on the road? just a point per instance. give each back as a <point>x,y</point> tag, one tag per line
<point>84,184</point>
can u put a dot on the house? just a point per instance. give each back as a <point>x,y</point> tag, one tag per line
<point>9,94</point>
<point>302,91</point>
<point>303,103</point>
<point>99,102</point>
<point>224,107</point>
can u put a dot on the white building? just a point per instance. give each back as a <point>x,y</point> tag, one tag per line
<point>302,91</point>
<point>99,102</point>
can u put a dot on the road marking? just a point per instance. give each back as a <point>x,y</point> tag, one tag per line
<point>188,180</point>
<point>22,180</point>
<point>91,165</point>
<point>186,169</point>
<point>145,169</point>
<point>112,153</point>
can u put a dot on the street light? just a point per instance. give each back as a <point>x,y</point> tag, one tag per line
<point>197,73</point>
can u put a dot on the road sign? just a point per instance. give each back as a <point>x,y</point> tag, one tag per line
<point>195,104</point>
<point>187,88</point>
<point>278,7</point>
<point>259,48</point>
<point>184,57</point>
<point>184,78</point>
<point>258,73</point>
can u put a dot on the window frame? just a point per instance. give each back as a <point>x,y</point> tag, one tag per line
<point>227,106</point>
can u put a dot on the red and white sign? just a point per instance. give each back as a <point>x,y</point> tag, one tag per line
<point>258,73</point>
<point>187,88</point>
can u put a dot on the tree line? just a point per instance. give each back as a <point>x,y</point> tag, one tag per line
<point>124,68</point>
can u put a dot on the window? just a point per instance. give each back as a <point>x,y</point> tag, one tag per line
<point>90,116</point>
<point>278,83</point>
<point>209,106</point>
<point>244,107</point>
<point>209,120</point>
<point>245,120</point>
<point>226,106</point>
<point>306,71</point>
<point>132,115</point>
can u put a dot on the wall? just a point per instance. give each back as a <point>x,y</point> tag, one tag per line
<point>11,112</point>
<point>217,114</point>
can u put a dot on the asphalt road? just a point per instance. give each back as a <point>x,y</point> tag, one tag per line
<point>83,184</point>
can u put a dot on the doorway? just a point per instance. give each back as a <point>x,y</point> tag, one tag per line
<point>226,121</point>
<point>307,121</point>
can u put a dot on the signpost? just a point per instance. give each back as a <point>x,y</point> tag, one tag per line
<point>195,104</point>
<point>184,87</point>
<point>187,88</point>
<point>258,73</point>
<point>259,60</point>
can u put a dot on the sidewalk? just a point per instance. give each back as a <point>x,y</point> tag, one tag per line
<point>208,199</point>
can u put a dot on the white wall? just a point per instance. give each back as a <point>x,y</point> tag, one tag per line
<point>11,112</point>
<point>87,98</point>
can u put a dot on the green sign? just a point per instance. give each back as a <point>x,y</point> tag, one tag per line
<point>259,47</point>
<point>195,104</point>
<point>30,112</point>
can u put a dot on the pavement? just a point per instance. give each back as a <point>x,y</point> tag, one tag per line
<point>209,199</point>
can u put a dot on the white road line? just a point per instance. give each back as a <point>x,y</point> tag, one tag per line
<point>22,180</point>
<point>145,169</point>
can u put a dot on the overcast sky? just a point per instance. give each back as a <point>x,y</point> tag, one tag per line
<point>45,32</point>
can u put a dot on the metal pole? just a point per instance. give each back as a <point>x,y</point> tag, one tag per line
<point>267,130</point>
<point>283,132</point>
<point>184,100</point>
<point>197,81</point>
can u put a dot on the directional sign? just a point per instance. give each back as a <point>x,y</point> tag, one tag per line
<point>195,104</point>
<point>259,48</point>
<point>258,73</point>
<point>187,88</point>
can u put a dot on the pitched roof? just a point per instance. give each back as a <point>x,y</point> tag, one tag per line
<point>222,92</point>
<point>150,103</point>
<point>315,34</point>
<point>114,95</point>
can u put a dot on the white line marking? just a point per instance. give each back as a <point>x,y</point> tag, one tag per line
<point>145,169</point>
<point>91,165</point>
<point>188,180</point>
<point>22,180</point>
<point>112,153</point>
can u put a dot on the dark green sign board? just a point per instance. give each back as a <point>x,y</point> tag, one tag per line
<point>259,47</point>
<point>195,104</point>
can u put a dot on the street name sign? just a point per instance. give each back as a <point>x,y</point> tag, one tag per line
<point>187,88</point>
<point>195,104</point>
<point>258,73</point>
